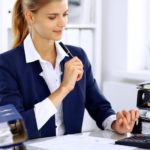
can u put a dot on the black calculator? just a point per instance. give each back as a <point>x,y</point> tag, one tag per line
<point>137,140</point>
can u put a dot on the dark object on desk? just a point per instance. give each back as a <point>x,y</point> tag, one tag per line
<point>12,129</point>
<point>139,140</point>
<point>143,103</point>
<point>143,97</point>
<point>137,127</point>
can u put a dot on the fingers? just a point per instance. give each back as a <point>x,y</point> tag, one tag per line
<point>122,120</point>
<point>79,67</point>
<point>73,72</point>
<point>137,114</point>
<point>76,61</point>
<point>133,115</point>
<point>127,115</point>
<point>127,119</point>
<point>76,66</point>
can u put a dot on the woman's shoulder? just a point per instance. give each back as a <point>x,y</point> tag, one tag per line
<point>12,52</point>
<point>12,55</point>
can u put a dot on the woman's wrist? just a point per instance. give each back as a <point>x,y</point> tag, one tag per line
<point>113,125</point>
<point>64,90</point>
<point>58,96</point>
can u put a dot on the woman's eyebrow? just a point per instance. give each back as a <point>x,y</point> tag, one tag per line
<point>53,14</point>
<point>57,13</point>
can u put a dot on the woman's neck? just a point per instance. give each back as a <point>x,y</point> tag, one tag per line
<point>46,49</point>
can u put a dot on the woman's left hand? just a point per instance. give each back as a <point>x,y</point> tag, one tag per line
<point>125,121</point>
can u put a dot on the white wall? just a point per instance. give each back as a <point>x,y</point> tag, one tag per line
<point>123,96</point>
<point>119,89</point>
<point>5,7</point>
<point>114,36</point>
<point>136,34</point>
<point>123,36</point>
<point>120,92</point>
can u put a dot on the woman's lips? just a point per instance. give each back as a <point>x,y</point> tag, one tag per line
<point>58,30</point>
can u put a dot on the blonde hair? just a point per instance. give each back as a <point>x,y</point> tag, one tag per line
<point>19,24</point>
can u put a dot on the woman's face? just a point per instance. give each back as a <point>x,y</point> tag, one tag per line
<point>50,21</point>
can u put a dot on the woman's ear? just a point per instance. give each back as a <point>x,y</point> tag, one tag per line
<point>29,17</point>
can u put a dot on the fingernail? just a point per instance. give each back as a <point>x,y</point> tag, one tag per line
<point>137,122</point>
<point>128,127</point>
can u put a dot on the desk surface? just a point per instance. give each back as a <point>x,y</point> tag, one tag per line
<point>99,133</point>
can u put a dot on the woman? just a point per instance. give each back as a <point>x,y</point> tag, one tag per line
<point>48,88</point>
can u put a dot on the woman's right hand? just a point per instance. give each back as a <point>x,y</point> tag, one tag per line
<point>73,71</point>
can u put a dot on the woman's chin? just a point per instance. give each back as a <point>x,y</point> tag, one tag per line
<point>58,38</point>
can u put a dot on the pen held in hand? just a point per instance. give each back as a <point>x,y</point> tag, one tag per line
<point>66,49</point>
<point>137,122</point>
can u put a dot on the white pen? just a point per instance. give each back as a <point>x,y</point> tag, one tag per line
<point>137,122</point>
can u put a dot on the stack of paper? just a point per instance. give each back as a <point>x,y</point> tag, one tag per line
<point>12,131</point>
<point>6,136</point>
<point>79,142</point>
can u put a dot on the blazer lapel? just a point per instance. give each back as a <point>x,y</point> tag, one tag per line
<point>40,85</point>
<point>36,67</point>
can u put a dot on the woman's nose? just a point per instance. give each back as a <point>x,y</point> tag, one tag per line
<point>62,21</point>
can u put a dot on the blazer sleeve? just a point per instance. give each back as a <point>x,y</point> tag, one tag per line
<point>10,94</point>
<point>97,105</point>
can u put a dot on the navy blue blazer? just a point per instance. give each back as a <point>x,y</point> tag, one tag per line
<point>21,85</point>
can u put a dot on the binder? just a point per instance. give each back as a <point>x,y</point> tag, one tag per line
<point>12,129</point>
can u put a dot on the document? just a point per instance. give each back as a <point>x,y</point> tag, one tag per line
<point>6,137</point>
<point>79,142</point>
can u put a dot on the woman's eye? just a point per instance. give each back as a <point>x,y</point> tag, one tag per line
<point>65,14</point>
<point>51,18</point>
<point>54,17</point>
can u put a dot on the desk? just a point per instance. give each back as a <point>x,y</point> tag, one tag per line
<point>99,133</point>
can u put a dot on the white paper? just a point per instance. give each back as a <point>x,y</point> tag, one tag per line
<point>79,142</point>
<point>6,136</point>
